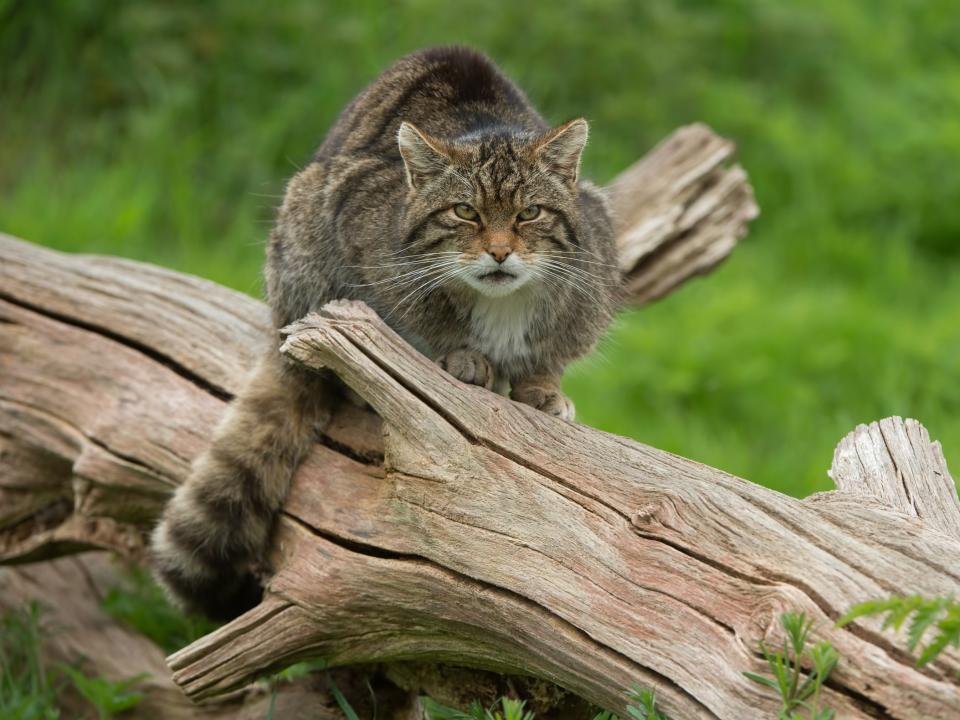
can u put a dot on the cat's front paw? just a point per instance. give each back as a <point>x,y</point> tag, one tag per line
<point>468,366</point>
<point>546,399</point>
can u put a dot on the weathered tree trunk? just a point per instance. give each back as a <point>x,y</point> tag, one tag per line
<point>495,536</point>
<point>452,525</point>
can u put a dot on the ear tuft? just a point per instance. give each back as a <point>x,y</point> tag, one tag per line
<point>423,156</point>
<point>560,149</point>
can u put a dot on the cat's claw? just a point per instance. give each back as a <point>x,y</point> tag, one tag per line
<point>548,400</point>
<point>468,366</point>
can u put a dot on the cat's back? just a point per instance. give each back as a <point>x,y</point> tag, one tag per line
<point>445,91</point>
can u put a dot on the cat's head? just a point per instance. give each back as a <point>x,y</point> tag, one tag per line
<point>495,211</point>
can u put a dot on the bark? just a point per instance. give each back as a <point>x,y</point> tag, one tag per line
<point>680,212</point>
<point>451,525</point>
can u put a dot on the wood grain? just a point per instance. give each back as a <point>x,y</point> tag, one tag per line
<point>448,524</point>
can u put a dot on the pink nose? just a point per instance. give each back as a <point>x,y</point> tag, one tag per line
<point>500,252</point>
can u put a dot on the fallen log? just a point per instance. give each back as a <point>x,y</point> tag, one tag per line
<point>452,525</point>
<point>495,536</point>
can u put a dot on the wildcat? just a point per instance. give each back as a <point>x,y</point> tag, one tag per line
<point>443,200</point>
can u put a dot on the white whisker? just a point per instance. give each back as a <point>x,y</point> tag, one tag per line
<point>564,280</point>
<point>426,286</point>
<point>560,254</point>
<point>575,272</point>
<point>567,267</point>
<point>409,276</point>
<point>580,249</point>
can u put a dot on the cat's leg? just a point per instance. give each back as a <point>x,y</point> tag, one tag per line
<point>215,531</point>
<point>468,366</point>
<point>543,393</point>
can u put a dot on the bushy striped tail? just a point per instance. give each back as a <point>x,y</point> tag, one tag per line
<point>215,531</point>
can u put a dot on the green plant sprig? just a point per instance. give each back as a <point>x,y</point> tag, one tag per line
<point>941,613</point>
<point>508,709</point>
<point>106,696</point>
<point>799,692</point>
<point>642,706</point>
<point>29,690</point>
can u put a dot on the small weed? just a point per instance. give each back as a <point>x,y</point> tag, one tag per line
<point>800,694</point>
<point>508,709</point>
<point>299,670</point>
<point>943,613</point>
<point>30,691</point>
<point>643,705</point>
<point>341,700</point>
<point>109,698</point>
<point>27,689</point>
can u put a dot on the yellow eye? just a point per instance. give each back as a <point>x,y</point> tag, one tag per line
<point>529,213</point>
<point>465,212</point>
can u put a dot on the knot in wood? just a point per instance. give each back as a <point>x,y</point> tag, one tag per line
<point>763,624</point>
<point>661,513</point>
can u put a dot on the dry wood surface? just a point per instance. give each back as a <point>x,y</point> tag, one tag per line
<point>446,524</point>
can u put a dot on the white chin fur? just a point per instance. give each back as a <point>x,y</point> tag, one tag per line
<point>491,287</point>
<point>496,288</point>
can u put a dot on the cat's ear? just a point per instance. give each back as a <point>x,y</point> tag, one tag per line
<point>560,148</point>
<point>424,156</point>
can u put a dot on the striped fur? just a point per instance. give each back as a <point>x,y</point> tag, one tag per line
<point>497,300</point>
<point>210,543</point>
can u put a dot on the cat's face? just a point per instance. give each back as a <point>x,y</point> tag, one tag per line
<point>493,212</point>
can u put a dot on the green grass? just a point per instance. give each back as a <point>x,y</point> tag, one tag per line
<point>165,131</point>
<point>28,691</point>
<point>31,690</point>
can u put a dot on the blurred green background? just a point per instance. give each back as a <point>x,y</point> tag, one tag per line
<point>164,131</point>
